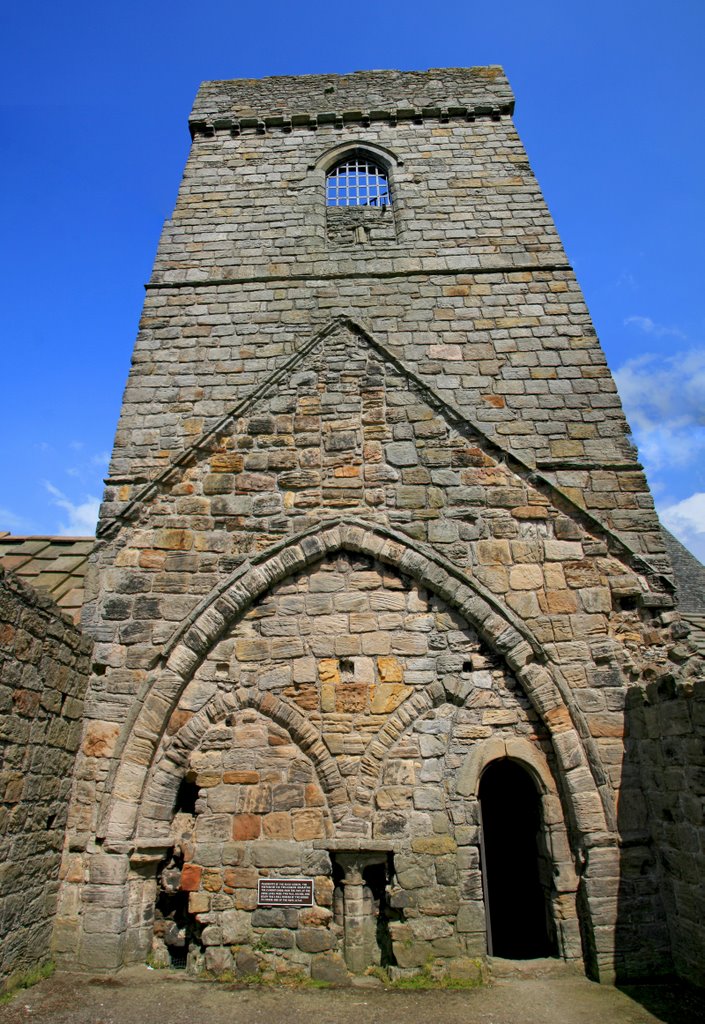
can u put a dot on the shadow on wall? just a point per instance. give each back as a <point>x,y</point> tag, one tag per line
<point>660,927</point>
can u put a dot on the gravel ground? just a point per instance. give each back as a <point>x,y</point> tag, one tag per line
<point>141,996</point>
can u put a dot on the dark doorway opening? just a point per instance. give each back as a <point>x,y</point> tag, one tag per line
<point>515,864</point>
<point>377,879</point>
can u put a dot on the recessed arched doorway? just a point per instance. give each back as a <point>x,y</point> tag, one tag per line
<point>516,867</point>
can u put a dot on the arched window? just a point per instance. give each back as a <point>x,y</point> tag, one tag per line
<point>357,180</point>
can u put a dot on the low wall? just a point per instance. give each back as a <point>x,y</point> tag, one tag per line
<point>44,664</point>
<point>668,723</point>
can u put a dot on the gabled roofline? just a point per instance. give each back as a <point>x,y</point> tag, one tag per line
<point>459,421</point>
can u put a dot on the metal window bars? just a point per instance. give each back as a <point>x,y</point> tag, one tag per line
<point>357,181</point>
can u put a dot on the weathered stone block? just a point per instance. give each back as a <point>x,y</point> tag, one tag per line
<point>235,927</point>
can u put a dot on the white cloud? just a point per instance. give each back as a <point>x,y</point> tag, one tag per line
<point>686,519</point>
<point>664,400</point>
<point>9,521</point>
<point>82,516</point>
<point>649,326</point>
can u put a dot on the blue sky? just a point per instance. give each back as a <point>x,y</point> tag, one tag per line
<point>94,101</point>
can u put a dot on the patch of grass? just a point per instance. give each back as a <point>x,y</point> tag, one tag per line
<point>22,981</point>
<point>426,980</point>
<point>154,962</point>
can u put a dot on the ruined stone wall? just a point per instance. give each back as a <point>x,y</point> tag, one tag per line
<point>437,405</point>
<point>44,666</point>
<point>667,742</point>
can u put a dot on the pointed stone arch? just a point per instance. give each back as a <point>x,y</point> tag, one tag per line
<point>165,776</point>
<point>587,792</point>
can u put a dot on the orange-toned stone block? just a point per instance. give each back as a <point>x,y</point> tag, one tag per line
<point>204,780</point>
<point>388,696</point>
<point>246,826</point>
<point>276,741</point>
<point>314,917</point>
<point>313,795</point>
<point>390,670</point>
<point>607,726</point>
<point>277,825</point>
<point>240,878</point>
<point>243,778</point>
<point>323,890</point>
<point>178,718</point>
<point>308,824</point>
<point>150,559</point>
<point>352,697</point>
<point>100,739</point>
<point>558,719</point>
<point>212,881</point>
<point>72,869</point>
<point>561,601</point>
<point>530,512</point>
<point>305,696</point>
<point>226,462</point>
<point>328,670</point>
<point>173,539</point>
<point>191,877</point>
<point>495,400</point>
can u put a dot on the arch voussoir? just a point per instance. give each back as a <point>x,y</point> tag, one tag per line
<point>497,626</point>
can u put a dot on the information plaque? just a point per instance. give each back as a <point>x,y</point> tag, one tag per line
<point>285,892</point>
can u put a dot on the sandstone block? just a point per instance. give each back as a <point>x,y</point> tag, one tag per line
<point>436,846</point>
<point>526,577</point>
<point>388,696</point>
<point>246,826</point>
<point>100,738</point>
<point>329,967</point>
<point>235,926</point>
<point>191,877</point>
<point>471,918</point>
<point>314,940</point>
<point>276,854</point>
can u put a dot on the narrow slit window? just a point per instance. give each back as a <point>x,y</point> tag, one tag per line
<point>357,181</point>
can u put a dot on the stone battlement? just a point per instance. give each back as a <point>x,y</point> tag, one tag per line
<point>374,95</point>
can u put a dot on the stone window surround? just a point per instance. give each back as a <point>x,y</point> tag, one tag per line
<point>339,190</point>
<point>367,219</point>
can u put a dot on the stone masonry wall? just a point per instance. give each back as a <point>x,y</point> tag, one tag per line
<point>44,666</point>
<point>667,741</point>
<point>475,294</point>
<point>302,400</point>
<point>353,646</point>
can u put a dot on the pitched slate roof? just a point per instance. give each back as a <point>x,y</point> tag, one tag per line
<point>54,565</point>
<point>690,588</point>
<point>689,574</point>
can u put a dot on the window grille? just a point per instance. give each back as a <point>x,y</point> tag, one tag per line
<point>357,181</point>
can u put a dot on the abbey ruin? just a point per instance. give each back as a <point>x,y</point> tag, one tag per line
<point>387,663</point>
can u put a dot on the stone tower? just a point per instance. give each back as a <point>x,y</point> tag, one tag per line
<point>376,564</point>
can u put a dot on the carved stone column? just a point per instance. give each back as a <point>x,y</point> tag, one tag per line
<point>356,907</point>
